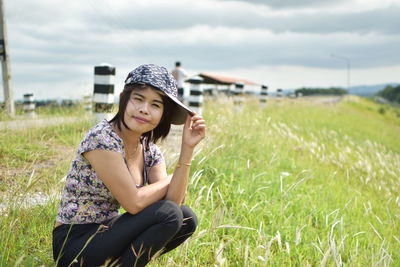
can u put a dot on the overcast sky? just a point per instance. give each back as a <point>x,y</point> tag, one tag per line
<point>288,44</point>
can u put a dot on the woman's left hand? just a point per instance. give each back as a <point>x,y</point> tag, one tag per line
<point>194,130</point>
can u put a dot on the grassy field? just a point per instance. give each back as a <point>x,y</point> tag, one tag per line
<point>295,184</point>
<point>44,112</point>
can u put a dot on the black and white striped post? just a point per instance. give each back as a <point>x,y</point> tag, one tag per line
<point>195,99</point>
<point>103,93</point>
<point>238,96</point>
<point>263,96</point>
<point>29,105</point>
<point>279,93</point>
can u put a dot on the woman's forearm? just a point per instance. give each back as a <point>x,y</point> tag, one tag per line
<point>147,195</point>
<point>178,185</point>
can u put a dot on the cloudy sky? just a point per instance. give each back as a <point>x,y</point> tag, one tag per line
<point>288,44</point>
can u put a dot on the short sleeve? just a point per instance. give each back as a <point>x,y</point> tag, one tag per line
<point>99,139</point>
<point>156,156</point>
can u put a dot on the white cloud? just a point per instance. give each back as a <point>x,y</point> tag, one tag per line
<point>55,44</point>
<point>312,6</point>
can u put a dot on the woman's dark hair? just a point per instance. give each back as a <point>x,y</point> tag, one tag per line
<point>162,129</point>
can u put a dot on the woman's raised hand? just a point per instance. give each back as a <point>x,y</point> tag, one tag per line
<point>194,130</point>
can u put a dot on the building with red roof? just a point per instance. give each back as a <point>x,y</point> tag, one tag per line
<point>214,84</point>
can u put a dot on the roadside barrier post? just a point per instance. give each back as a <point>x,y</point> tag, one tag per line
<point>87,103</point>
<point>238,96</point>
<point>263,96</point>
<point>196,94</point>
<point>103,93</point>
<point>279,93</point>
<point>29,105</point>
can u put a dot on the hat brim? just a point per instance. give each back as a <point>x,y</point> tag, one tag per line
<point>180,113</point>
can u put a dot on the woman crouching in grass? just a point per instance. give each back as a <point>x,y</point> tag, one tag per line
<point>118,164</point>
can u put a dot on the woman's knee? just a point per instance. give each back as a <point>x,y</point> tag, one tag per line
<point>189,219</point>
<point>169,212</point>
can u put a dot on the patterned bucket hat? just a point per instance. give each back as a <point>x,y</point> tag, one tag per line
<point>160,78</point>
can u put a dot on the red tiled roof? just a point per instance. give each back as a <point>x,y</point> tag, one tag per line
<point>224,79</point>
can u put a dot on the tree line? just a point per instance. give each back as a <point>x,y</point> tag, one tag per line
<point>391,93</point>
<point>320,91</point>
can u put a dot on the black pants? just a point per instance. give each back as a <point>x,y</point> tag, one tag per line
<point>129,240</point>
<point>181,94</point>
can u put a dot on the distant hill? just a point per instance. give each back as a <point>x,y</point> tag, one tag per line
<point>368,90</point>
<point>360,90</point>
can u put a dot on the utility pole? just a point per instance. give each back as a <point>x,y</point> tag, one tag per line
<point>5,65</point>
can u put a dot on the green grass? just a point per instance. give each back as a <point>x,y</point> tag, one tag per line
<point>294,184</point>
<point>46,112</point>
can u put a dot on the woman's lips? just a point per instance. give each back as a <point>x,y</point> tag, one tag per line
<point>141,120</point>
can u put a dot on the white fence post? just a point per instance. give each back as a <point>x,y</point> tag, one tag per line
<point>196,94</point>
<point>103,92</point>
<point>29,105</point>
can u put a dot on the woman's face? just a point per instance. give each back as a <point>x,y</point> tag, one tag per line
<point>144,110</point>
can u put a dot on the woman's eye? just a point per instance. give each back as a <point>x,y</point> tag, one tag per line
<point>156,105</point>
<point>137,99</point>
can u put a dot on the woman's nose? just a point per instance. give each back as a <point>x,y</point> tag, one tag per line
<point>144,108</point>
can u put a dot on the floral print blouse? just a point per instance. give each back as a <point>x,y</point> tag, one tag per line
<point>85,198</point>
